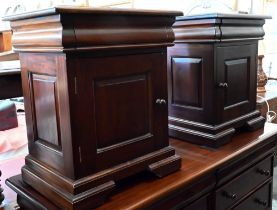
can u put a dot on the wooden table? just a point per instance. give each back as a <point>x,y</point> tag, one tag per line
<point>10,79</point>
<point>198,185</point>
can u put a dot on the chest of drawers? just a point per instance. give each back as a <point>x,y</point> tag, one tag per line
<point>236,176</point>
<point>247,186</point>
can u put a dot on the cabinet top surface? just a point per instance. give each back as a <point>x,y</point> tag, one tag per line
<point>74,10</point>
<point>142,191</point>
<point>223,16</point>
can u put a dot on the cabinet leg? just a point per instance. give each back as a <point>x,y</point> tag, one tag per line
<point>255,123</point>
<point>165,166</point>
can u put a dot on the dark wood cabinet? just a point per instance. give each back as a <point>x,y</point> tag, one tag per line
<point>236,176</point>
<point>95,89</point>
<point>212,72</point>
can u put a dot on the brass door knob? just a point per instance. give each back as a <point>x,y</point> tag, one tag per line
<point>160,101</point>
<point>223,85</point>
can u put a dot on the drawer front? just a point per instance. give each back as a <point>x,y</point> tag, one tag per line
<point>259,200</point>
<point>201,204</point>
<point>231,192</point>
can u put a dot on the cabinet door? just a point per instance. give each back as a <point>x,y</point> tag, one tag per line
<point>116,97</point>
<point>236,72</point>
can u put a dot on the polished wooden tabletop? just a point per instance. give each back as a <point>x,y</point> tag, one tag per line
<point>196,161</point>
<point>143,190</point>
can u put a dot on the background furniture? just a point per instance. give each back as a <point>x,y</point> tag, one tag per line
<point>10,79</point>
<point>212,77</point>
<point>5,40</point>
<point>9,56</point>
<point>95,112</point>
<point>238,175</point>
<point>8,116</point>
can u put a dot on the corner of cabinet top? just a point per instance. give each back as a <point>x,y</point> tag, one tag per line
<point>70,28</point>
<point>219,27</point>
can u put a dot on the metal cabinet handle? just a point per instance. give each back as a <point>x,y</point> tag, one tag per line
<point>263,172</point>
<point>261,202</point>
<point>160,101</point>
<point>232,196</point>
<point>223,85</point>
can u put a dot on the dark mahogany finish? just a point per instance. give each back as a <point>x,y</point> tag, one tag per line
<point>212,77</point>
<point>236,176</point>
<point>95,89</point>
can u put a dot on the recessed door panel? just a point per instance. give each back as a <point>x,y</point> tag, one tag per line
<point>236,79</point>
<point>122,110</point>
<point>186,81</point>
<point>190,82</point>
<point>45,109</point>
<point>237,74</point>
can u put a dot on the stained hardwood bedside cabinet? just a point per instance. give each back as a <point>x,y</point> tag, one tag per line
<point>95,93</point>
<point>212,72</point>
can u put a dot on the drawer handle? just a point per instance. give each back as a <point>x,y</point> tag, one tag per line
<point>160,101</point>
<point>261,202</point>
<point>263,172</point>
<point>232,196</point>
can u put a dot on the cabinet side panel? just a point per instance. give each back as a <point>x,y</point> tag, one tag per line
<point>186,81</point>
<point>191,83</point>
<point>46,106</point>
